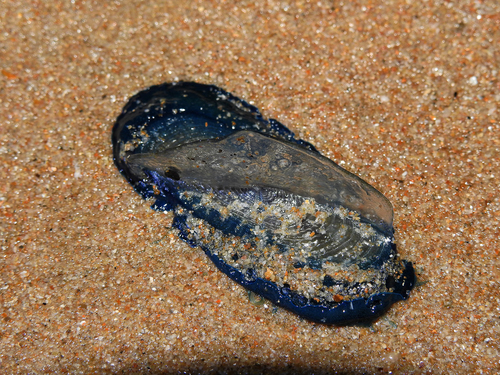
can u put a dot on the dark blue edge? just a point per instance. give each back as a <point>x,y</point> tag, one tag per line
<point>348,312</point>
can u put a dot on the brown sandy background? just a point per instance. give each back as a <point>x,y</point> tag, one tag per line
<point>404,95</point>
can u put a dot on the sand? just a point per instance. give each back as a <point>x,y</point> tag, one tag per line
<point>404,95</point>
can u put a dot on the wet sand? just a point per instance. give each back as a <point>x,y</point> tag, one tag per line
<point>405,96</point>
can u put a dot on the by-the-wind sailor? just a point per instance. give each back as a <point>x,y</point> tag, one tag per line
<point>267,208</point>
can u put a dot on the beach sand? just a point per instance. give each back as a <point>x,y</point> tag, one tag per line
<point>92,280</point>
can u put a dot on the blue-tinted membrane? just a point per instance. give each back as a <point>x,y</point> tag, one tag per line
<point>172,115</point>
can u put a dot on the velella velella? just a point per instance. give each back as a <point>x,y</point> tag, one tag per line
<point>267,208</point>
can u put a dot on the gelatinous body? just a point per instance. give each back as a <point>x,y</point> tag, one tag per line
<point>268,209</point>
